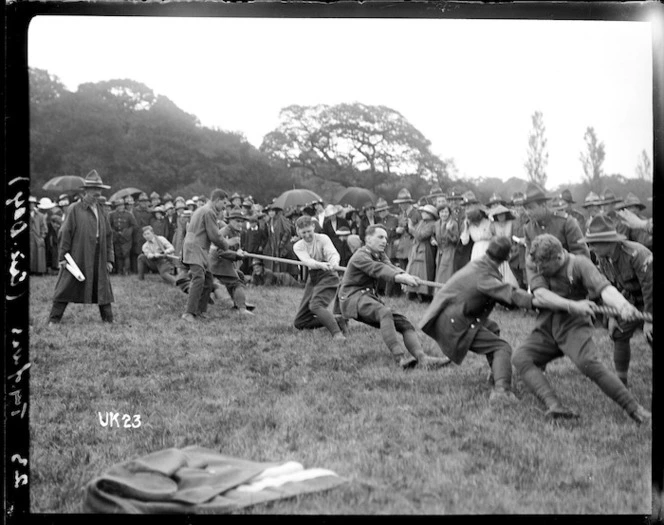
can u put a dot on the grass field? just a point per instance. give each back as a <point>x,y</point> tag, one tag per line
<point>416,442</point>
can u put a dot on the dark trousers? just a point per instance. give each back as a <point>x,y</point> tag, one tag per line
<point>162,266</point>
<point>59,307</point>
<point>559,334</point>
<point>319,292</point>
<point>199,291</point>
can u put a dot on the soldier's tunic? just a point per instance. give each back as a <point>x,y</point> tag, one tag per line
<point>564,228</point>
<point>458,317</point>
<point>358,299</point>
<point>222,266</point>
<point>517,259</point>
<point>629,269</point>
<point>123,225</point>
<point>557,333</point>
<point>580,218</point>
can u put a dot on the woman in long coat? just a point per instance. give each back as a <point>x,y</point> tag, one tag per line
<point>445,239</point>
<point>422,260</point>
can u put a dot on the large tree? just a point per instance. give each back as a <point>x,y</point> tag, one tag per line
<point>538,157</point>
<point>352,144</point>
<point>592,160</point>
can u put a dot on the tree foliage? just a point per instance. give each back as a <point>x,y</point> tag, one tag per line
<point>135,137</point>
<point>353,145</point>
<point>592,160</point>
<point>538,156</point>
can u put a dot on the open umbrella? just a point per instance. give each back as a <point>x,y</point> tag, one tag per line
<point>121,194</point>
<point>356,197</point>
<point>295,197</point>
<point>64,183</point>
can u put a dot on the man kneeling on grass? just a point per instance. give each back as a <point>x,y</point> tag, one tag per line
<point>358,299</point>
<point>561,283</point>
<point>322,258</point>
<point>458,316</point>
<point>155,249</point>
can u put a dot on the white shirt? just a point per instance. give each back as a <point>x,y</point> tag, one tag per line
<point>320,250</point>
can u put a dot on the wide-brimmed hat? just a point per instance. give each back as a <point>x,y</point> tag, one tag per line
<point>566,195</point>
<point>497,210</point>
<point>159,209</point>
<point>33,199</point>
<point>190,202</point>
<point>236,195</point>
<point>236,214</point>
<point>143,197</point>
<point>367,205</point>
<point>602,229</point>
<point>456,194</point>
<point>343,230</point>
<point>496,199</point>
<point>430,209</point>
<point>179,198</point>
<point>331,209</point>
<point>129,199</point>
<point>469,198</point>
<point>247,203</point>
<point>167,197</point>
<point>592,199</point>
<point>93,180</point>
<point>180,205</point>
<point>558,204</point>
<point>382,205</point>
<point>403,196</point>
<point>517,198</point>
<point>154,195</point>
<point>63,196</point>
<point>168,205</point>
<point>535,193</point>
<point>272,206</point>
<point>46,204</point>
<point>436,191</point>
<point>608,197</point>
<point>631,200</point>
<point>117,202</point>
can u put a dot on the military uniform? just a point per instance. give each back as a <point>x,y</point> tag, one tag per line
<point>564,228</point>
<point>580,218</point>
<point>458,317</point>
<point>222,267</point>
<point>629,269</point>
<point>357,299</point>
<point>517,259</point>
<point>559,333</point>
<point>123,225</point>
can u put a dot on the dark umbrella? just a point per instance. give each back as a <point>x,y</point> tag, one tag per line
<point>295,197</point>
<point>64,183</point>
<point>356,197</point>
<point>121,194</point>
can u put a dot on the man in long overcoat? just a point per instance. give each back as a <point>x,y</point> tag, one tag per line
<point>458,317</point>
<point>201,232</point>
<point>87,236</point>
<point>38,231</point>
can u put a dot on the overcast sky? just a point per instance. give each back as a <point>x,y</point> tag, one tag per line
<point>470,86</point>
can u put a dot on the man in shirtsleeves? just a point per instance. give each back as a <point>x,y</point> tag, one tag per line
<point>358,299</point>
<point>321,257</point>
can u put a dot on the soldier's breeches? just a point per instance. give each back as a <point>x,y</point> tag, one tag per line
<point>501,368</point>
<point>621,356</point>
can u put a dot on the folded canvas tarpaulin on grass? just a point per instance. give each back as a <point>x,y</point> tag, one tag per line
<point>199,481</point>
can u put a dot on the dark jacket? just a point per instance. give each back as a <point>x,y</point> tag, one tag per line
<point>465,303</point>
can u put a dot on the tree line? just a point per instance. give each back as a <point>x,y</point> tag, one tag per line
<point>135,137</point>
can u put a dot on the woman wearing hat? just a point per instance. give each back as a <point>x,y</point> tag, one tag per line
<point>279,234</point>
<point>86,235</point>
<point>503,226</point>
<point>408,218</point>
<point>334,222</point>
<point>476,226</point>
<point>446,236</point>
<point>38,231</point>
<point>422,260</point>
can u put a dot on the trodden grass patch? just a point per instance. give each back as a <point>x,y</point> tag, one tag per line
<point>416,442</point>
